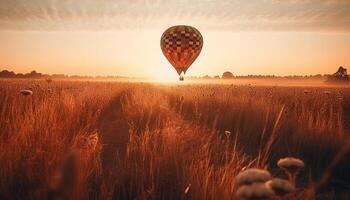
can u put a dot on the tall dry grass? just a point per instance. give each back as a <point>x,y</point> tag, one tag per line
<point>103,140</point>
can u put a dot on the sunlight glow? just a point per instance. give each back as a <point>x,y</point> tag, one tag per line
<point>107,37</point>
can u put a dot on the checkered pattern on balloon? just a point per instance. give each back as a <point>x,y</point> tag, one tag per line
<point>181,45</point>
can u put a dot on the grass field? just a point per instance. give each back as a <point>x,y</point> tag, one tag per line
<point>110,140</point>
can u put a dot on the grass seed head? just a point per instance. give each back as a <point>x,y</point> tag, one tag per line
<point>228,134</point>
<point>26,92</point>
<point>292,165</point>
<point>48,80</point>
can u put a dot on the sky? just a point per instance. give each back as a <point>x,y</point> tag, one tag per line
<point>122,37</point>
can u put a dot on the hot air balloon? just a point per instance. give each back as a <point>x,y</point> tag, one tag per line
<point>181,45</point>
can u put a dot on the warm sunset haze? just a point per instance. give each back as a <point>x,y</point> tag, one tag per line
<point>94,103</point>
<point>87,37</point>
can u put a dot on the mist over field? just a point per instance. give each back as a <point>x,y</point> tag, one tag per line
<point>120,140</point>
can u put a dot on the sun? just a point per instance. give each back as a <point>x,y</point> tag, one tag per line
<point>166,74</point>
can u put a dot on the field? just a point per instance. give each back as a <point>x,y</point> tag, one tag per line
<point>113,140</point>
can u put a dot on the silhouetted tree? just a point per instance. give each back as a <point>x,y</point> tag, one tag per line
<point>206,77</point>
<point>340,76</point>
<point>34,74</point>
<point>7,74</point>
<point>227,75</point>
<point>342,72</point>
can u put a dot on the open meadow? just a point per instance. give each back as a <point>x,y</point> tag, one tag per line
<point>120,140</point>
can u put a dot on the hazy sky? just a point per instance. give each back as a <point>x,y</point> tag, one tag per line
<point>121,37</point>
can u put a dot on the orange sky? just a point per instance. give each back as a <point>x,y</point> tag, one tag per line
<point>109,38</point>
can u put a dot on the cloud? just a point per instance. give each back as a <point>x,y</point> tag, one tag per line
<point>257,15</point>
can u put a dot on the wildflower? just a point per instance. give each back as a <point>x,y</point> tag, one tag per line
<point>228,134</point>
<point>255,191</point>
<point>291,166</point>
<point>48,80</point>
<point>280,186</point>
<point>93,141</point>
<point>26,92</point>
<point>307,91</point>
<point>251,176</point>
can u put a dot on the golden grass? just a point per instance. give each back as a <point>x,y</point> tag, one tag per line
<point>103,140</point>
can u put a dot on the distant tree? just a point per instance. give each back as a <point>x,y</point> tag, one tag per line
<point>7,74</point>
<point>340,76</point>
<point>58,76</point>
<point>206,77</point>
<point>342,72</point>
<point>34,74</point>
<point>227,75</point>
<point>20,75</point>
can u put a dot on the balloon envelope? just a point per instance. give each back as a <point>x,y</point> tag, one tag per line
<point>181,45</point>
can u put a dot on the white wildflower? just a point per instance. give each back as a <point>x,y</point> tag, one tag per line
<point>280,186</point>
<point>26,92</point>
<point>252,175</point>
<point>291,166</point>
<point>255,191</point>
